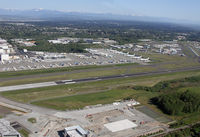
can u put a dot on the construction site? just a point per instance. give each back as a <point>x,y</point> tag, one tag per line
<point>117,119</point>
<point>122,122</point>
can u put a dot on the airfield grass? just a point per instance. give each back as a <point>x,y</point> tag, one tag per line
<point>53,70</point>
<point>69,76</point>
<point>60,91</point>
<point>157,57</point>
<point>24,133</point>
<point>187,51</point>
<point>197,50</point>
<point>80,101</point>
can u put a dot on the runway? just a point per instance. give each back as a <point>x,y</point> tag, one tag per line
<point>66,82</point>
<point>35,85</point>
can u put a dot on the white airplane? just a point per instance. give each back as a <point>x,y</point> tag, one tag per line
<point>130,55</point>
<point>137,57</point>
<point>146,60</point>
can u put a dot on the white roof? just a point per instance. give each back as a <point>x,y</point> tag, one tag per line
<point>120,125</point>
<point>73,133</point>
<point>78,128</point>
<point>6,129</point>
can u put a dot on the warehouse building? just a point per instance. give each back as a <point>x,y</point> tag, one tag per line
<point>4,57</point>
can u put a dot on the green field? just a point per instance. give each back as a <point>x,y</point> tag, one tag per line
<point>193,89</point>
<point>32,120</point>
<point>24,133</point>
<point>74,75</point>
<point>40,94</point>
<point>53,70</point>
<point>80,101</point>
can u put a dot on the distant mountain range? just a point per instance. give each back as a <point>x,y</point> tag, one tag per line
<point>51,15</point>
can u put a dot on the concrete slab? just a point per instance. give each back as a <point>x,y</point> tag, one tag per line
<point>120,125</point>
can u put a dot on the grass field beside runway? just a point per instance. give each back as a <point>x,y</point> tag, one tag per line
<point>54,70</point>
<point>40,94</point>
<point>69,76</point>
<point>80,101</point>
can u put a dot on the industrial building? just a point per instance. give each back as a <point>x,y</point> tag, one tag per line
<point>6,130</point>
<point>5,47</point>
<point>25,42</point>
<point>75,131</point>
<point>4,57</point>
<point>5,50</point>
<point>65,40</point>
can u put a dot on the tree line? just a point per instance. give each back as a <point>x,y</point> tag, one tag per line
<point>176,103</point>
<point>172,101</point>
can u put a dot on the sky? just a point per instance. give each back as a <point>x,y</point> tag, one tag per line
<point>176,9</point>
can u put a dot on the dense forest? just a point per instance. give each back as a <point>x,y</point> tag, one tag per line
<point>177,103</point>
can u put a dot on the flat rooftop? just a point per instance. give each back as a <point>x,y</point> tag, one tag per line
<point>120,125</point>
<point>73,133</point>
<point>6,129</point>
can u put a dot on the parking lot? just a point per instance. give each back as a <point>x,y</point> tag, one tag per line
<point>42,60</point>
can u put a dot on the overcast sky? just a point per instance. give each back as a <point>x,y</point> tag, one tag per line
<point>176,9</point>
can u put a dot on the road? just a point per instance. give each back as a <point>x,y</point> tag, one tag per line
<point>65,82</point>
